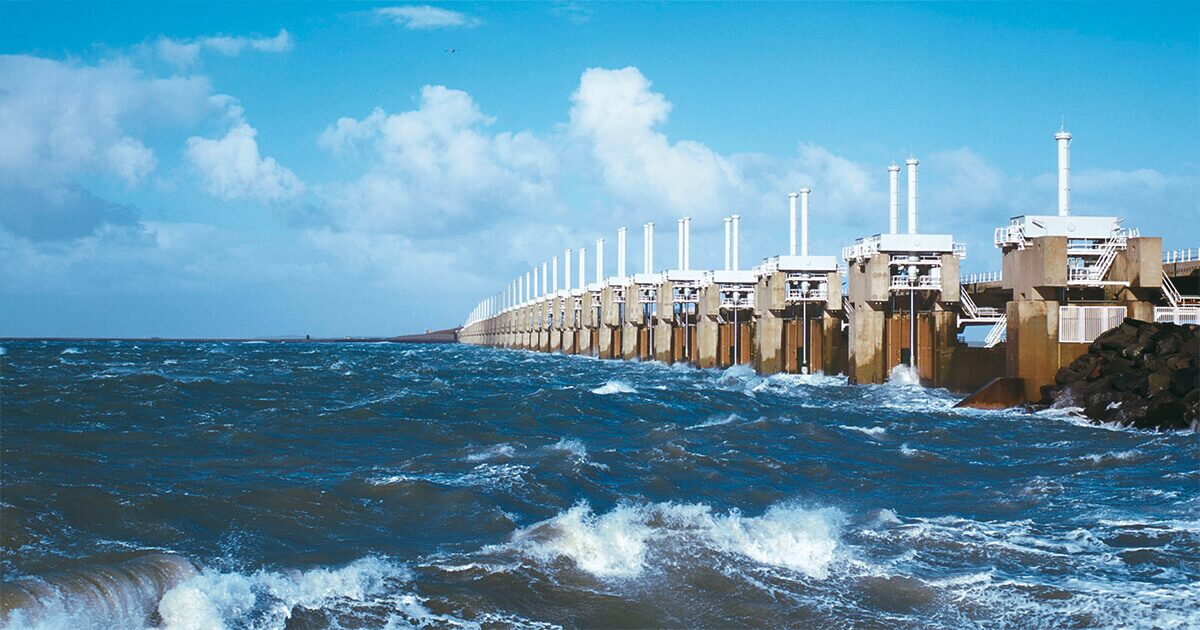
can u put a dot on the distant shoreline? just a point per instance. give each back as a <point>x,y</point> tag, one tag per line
<point>449,335</point>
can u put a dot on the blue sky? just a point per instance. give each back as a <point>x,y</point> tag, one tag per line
<point>280,169</point>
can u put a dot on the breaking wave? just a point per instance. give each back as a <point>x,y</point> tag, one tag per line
<point>620,543</point>
<point>614,387</point>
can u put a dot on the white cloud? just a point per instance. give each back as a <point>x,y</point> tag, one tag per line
<point>186,52</point>
<point>616,112</point>
<point>425,17</point>
<point>233,168</point>
<point>436,169</point>
<point>62,119</point>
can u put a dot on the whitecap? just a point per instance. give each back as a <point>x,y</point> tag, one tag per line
<point>873,432</point>
<point>716,421</point>
<point>266,598</point>
<point>71,351</point>
<point>614,387</point>
<point>1113,456</point>
<point>620,543</point>
<point>576,450</point>
<point>495,451</point>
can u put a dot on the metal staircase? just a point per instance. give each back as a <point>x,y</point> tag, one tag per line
<point>1183,309</point>
<point>1096,259</point>
<point>998,332</point>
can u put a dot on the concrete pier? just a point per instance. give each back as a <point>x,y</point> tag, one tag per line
<point>1063,280</point>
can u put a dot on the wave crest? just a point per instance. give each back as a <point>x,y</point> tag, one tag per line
<point>620,543</point>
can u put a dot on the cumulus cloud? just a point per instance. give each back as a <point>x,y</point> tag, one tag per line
<point>425,17</point>
<point>617,113</point>
<point>186,52</point>
<point>232,167</point>
<point>60,119</point>
<point>437,169</point>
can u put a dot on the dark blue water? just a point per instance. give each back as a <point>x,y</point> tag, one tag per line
<point>213,485</point>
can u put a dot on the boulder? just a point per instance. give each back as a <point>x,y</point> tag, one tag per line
<point>1139,374</point>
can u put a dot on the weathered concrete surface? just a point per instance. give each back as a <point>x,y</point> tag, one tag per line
<point>768,357</point>
<point>964,368</point>
<point>1001,392</point>
<point>1140,264</point>
<point>662,340</point>
<point>706,342</point>
<point>629,342</point>
<point>866,356</point>
<point>1038,271</point>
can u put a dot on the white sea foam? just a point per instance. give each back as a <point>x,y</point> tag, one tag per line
<point>576,450</point>
<point>614,387</point>
<point>874,432</point>
<point>506,475</point>
<point>716,421</point>
<point>621,542</point>
<point>1113,456</point>
<point>265,599</point>
<point>904,375</point>
<point>495,451</point>
<point>71,351</point>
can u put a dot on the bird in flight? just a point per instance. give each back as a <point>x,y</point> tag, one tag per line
<point>451,50</point>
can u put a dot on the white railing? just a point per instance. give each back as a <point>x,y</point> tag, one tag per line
<point>968,305</point>
<point>1181,255</point>
<point>1105,253</point>
<point>862,248</point>
<point>1170,292</point>
<point>986,276</point>
<point>618,295</point>
<point>685,295</point>
<point>959,250</point>
<point>647,294</point>
<point>1177,314</point>
<point>902,283</point>
<point>1010,235</point>
<point>1082,324</point>
<point>974,313</point>
<point>998,332</point>
<point>814,294</point>
<point>737,299</point>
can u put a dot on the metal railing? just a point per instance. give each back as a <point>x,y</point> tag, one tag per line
<point>984,276</point>
<point>998,332</point>
<point>862,248</point>
<point>1181,255</point>
<point>737,298</point>
<point>921,282</point>
<point>1177,314</point>
<point>1010,235</point>
<point>815,294</point>
<point>1082,324</point>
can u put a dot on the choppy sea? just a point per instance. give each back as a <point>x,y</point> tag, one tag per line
<point>265,485</point>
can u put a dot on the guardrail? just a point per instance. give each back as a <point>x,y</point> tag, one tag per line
<point>1082,324</point>
<point>1177,314</point>
<point>1181,255</point>
<point>922,282</point>
<point>985,276</point>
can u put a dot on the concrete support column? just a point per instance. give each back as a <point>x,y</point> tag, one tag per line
<point>663,330</point>
<point>769,341</point>
<point>629,342</point>
<point>866,356</point>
